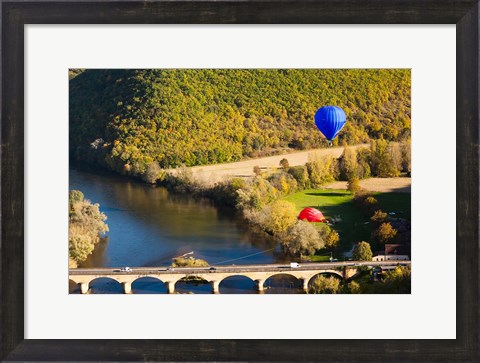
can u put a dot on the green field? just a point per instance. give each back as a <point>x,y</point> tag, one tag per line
<point>354,226</point>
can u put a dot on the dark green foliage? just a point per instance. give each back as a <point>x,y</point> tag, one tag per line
<point>362,252</point>
<point>127,119</point>
<point>300,173</point>
<point>366,201</point>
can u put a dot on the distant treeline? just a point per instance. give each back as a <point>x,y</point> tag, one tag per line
<point>133,120</point>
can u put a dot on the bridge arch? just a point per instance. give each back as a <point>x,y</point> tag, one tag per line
<point>246,283</point>
<point>148,285</point>
<point>292,282</point>
<point>105,285</point>
<point>326,272</point>
<point>193,284</point>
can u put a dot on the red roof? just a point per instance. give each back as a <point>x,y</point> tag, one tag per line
<point>311,215</point>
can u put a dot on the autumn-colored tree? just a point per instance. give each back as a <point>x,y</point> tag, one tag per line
<point>279,216</point>
<point>379,217</point>
<point>256,170</point>
<point>348,164</point>
<point>86,226</point>
<point>384,233</point>
<point>332,239</point>
<point>353,185</point>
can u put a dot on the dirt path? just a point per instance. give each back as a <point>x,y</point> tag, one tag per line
<point>214,173</point>
<point>403,185</point>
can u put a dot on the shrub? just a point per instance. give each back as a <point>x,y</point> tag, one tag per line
<point>353,185</point>
<point>284,163</point>
<point>153,173</point>
<point>189,262</point>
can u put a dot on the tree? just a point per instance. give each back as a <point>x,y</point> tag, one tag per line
<point>379,216</point>
<point>302,239</point>
<point>362,252</point>
<point>382,159</point>
<point>384,233</point>
<point>300,174</point>
<point>256,170</point>
<point>353,185</point>
<point>284,163</point>
<point>321,170</point>
<point>86,225</point>
<point>279,216</point>
<point>332,239</point>
<point>353,287</point>
<point>406,156</point>
<point>348,164</point>
<point>325,285</point>
<point>399,280</point>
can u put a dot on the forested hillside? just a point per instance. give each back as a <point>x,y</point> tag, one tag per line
<point>129,119</point>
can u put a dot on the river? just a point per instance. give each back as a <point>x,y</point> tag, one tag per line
<point>148,226</point>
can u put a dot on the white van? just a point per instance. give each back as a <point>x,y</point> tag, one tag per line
<point>294,265</point>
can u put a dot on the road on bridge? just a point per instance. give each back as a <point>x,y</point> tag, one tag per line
<point>234,268</point>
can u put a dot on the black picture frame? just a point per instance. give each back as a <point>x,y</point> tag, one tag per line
<point>15,14</point>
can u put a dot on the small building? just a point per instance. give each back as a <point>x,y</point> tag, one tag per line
<point>383,257</point>
<point>392,252</point>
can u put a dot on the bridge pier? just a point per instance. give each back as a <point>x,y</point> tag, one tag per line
<point>305,284</point>
<point>84,287</point>
<point>127,287</point>
<point>260,284</point>
<point>170,287</point>
<point>215,286</point>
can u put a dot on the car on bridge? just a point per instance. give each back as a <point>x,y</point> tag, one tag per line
<point>126,269</point>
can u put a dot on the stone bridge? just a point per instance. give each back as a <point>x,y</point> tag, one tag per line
<point>214,275</point>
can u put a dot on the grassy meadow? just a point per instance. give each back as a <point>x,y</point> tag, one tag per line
<point>352,224</point>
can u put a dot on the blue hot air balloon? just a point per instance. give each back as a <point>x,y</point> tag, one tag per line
<point>330,120</point>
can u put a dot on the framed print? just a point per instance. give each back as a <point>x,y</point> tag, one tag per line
<point>77,55</point>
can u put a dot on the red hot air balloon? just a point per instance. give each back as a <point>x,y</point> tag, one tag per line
<point>311,215</point>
